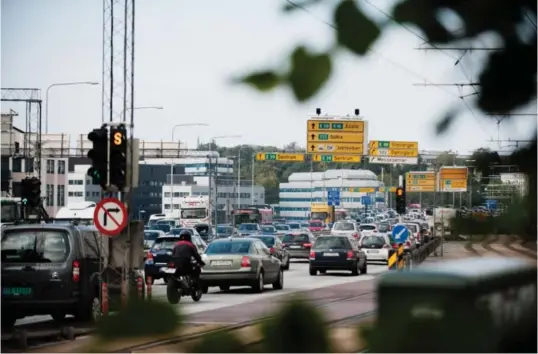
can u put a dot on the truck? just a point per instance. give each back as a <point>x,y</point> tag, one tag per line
<point>340,214</point>
<point>441,220</point>
<point>266,213</point>
<point>194,210</point>
<point>10,212</point>
<point>322,211</point>
<point>246,216</point>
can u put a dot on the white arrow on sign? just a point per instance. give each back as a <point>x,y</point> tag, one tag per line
<point>400,234</point>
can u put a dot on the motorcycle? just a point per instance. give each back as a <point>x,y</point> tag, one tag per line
<point>179,286</point>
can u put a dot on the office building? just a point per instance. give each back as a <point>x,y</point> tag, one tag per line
<point>304,188</point>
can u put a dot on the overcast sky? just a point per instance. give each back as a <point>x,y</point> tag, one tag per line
<point>187,51</point>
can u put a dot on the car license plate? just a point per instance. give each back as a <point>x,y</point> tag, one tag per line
<point>372,251</point>
<point>168,270</point>
<point>295,247</point>
<point>221,263</point>
<point>16,291</point>
<point>330,254</point>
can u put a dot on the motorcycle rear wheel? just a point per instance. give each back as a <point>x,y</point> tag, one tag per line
<point>173,291</point>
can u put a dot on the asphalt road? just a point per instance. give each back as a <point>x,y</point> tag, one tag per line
<point>297,279</point>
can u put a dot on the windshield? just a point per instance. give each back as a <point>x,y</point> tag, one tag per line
<point>367,227</point>
<point>9,212</point>
<point>151,235</point>
<point>315,224</point>
<point>383,227</point>
<point>294,226</point>
<point>373,241</point>
<point>164,243</point>
<point>228,247</point>
<point>178,231</point>
<point>228,230</point>
<point>163,227</point>
<point>246,218</point>
<point>344,226</point>
<point>194,213</point>
<point>412,227</point>
<point>269,241</point>
<point>248,227</point>
<point>29,246</point>
<point>283,227</point>
<point>268,229</point>
<point>166,222</point>
<point>325,243</point>
<point>295,238</point>
<point>319,215</point>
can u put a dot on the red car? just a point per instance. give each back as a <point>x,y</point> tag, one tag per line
<point>316,225</point>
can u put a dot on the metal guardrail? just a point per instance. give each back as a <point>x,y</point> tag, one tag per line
<point>400,260</point>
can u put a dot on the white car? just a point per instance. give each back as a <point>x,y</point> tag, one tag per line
<point>346,228</point>
<point>368,229</point>
<point>376,247</point>
<point>414,228</point>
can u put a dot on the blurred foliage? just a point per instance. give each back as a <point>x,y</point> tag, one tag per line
<point>507,80</point>
<point>139,318</point>
<point>219,342</point>
<point>297,328</point>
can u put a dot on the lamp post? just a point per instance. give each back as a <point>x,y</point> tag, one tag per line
<point>75,83</point>
<point>239,174</point>
<point>172,162</point>
<point>211,142</point>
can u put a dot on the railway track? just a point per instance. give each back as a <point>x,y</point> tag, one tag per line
<point>243,325</point>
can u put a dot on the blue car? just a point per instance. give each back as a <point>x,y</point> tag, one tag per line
<point>268,229</point>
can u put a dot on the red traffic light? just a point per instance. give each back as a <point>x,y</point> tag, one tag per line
<point>399,192</point>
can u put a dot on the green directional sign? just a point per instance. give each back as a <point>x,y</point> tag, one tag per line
<point>324,126</point>
<point>384,144</point>
<point>337,126</point>
<point>323,136</point>
<point>270,157</point>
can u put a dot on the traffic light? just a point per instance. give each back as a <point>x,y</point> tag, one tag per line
<point>118,156</point>
<point>99,156</point>
<point>31,191</point>
<point>400,200</point>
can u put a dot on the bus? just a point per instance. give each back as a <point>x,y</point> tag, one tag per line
<point>266,213</point>
<point>194,210</point>
<point>246,216</point>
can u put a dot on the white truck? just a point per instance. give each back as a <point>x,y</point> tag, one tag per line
<point>194,210</point>
<point>441,220</point>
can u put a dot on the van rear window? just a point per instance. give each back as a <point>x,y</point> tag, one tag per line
<point>35,246</point>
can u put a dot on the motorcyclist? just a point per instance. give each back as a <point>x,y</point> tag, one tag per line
<point>184,251</point>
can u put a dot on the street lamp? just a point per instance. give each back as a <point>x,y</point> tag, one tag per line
<point>61,84</point>
<point>211,142</point>
<point>141,107</point>
<point>172,162</point>
<point>239,174</point>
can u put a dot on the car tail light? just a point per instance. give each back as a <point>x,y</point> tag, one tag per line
<point>386,246</point>
<point>149,255</point>
<point>245,262</point>
<point>356,235</point>
<point>76,271</point>
<point>312,255</point>
<point>395,246</point>
<point>307,245</point>
<point>171,265</point>
<point>349,255</point>
<point>407,244</point>
<point>271,250</point>
<point>284,245</point>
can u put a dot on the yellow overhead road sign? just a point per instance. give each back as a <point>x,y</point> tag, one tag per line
<point>277,156</point>
<point>341,136</point>
<point>421,181</point>
<point>335,137</point>
<point>393,152</point>
<point>453,179</point>
<point>356,149</point>
<point>336,158</point>
<point>335,125</point>
<point>393,144</point>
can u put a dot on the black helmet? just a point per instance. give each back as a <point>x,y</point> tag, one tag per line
<point>185,235</point>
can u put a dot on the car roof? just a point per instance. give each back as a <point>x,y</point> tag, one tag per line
<point>262,235</point>
<point>234,239</point>
<point>153,230</point>
<point>368,224</point>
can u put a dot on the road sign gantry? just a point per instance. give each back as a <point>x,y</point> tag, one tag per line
<point>336,136</point>
<point>421,181</point>
<point>453,179</point>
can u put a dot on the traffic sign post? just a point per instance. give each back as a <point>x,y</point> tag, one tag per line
<point>278,156</point>
<point>110,216</point>
<point>400,233</point>
<point>333,196</point>
<point>393,152</point>
<point>453,179</point>
<point>340,136</point>
<point>421,181</point>
<point>336,158</point>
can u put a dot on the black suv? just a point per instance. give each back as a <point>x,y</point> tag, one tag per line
<point>50,269</point>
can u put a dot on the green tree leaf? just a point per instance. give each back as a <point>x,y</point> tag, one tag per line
<point>263,80</point>
<point>354,31</point>
<point>308,73</point>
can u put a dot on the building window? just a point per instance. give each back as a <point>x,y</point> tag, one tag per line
<point>61,194</point>
<point>17,165</point>
<point>167,194</point>
<point>50,166</point>
<point>50,192</point>
<point>29,165</point>
<point>61,167</point>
